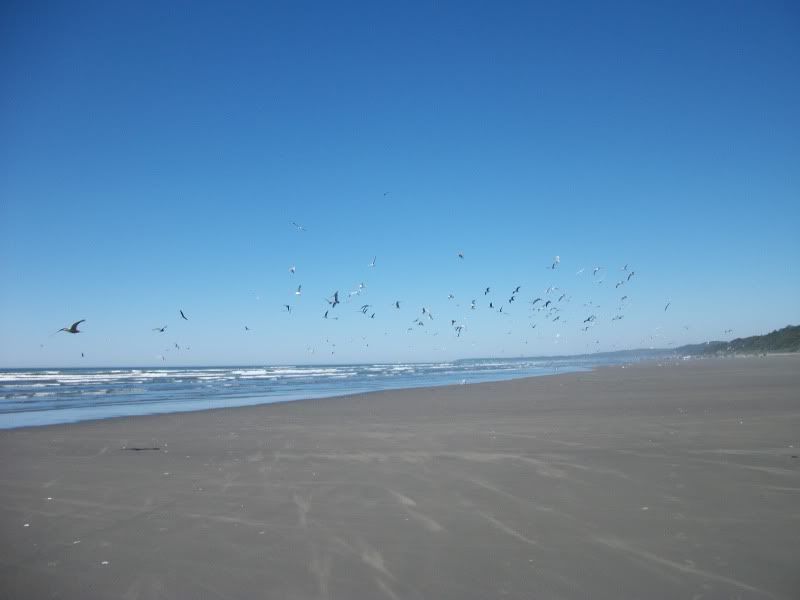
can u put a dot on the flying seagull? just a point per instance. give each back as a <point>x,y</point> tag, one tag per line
<point>160,329</point>
<point>372,264</point>
<point>299,290</point>
<point>183,316</point>
<point>335,299</point>
<point>631,274</point>
<point>298,226</point>
<point>667,306</point>
<point>397,304</point>
<point>288,308</point>
<point>556,261</point>
<point>486,291</point>
<point>292,269</point>
<point>72,328</point>
<point>461,255</point>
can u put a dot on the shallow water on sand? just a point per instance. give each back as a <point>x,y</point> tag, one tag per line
<point>49,396</point>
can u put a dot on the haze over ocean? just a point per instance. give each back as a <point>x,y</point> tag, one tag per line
<point>153,157</point>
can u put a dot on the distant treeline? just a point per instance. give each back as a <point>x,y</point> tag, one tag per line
<point>780,340</point>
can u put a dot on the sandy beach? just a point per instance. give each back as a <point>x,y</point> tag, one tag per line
<point>679,480</point>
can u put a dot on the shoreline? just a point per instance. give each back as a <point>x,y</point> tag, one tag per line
<point>568,371</point>
<point>266,400</point>
<point>650,481</point>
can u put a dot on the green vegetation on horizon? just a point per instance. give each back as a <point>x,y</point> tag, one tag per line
<point>780,340</point>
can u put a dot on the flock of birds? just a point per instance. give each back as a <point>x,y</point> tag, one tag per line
<point>548,307</point>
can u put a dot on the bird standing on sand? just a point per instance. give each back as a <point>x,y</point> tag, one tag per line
<point>72,328</point>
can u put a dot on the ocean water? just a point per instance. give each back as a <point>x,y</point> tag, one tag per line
<point>46,396</point>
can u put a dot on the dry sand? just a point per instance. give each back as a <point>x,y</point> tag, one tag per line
<point>673,481</point>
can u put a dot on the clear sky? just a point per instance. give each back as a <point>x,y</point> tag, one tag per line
<point>153,155</point>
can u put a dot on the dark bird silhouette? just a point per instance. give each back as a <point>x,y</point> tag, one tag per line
<point>372,264</point>
<point>334,300</point>
<point>516,290</point>
<point>486,291</point>
<point>72,328</point>
<point>288,308</point>
<point>298,226</point>
<point>461,255</point>
<point>183,316</point>
<point>397,304</point>
<point>548,303</point>
<point>631,274</point>
<point>667,306</point>
<point>533,303</point>
<point>160,329</point>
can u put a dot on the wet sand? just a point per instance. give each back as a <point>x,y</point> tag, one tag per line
<point>649,481</point>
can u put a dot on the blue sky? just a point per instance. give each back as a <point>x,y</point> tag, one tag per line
<point>152,157</point>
